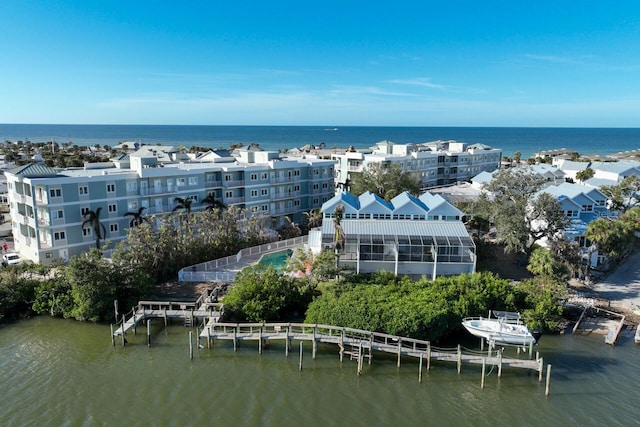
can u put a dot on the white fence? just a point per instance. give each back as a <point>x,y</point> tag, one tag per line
<point>210,271</point>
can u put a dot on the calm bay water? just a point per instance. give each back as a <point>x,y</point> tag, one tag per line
<point>56,372</point>
<point>525,140</point>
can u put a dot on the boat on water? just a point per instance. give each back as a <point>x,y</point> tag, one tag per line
<point>501,327</point>
<point>637,336</point>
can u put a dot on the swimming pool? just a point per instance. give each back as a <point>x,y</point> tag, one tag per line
<point>277,259</point>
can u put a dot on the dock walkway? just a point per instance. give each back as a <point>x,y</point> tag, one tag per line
<point>358,342</point>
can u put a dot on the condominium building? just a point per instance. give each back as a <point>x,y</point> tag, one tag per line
<point>48,206</point>
<point>437,163</point>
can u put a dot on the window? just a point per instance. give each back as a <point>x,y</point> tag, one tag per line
<point>315,186</point>
<point>55,192</point>
<point>254,193</point>
<point>265,208</point>
<point>193,180</point>
<point>113,228</point>
<point>296,188</point>
<point>86,232</point>
<point>132,186</point>
<point>315,200</point>
<point>111,188</point>
<point>316,172</point>
<point>228,194</point>
<point>59,235</point>
<point>264,192</point>
<point>227,177</point>
<point>83,190</point>
<point>57,214</point>
<point>325,185</point>
<point>133,205</point>
<point>84,211</point>
<point>181,182</point>
<point>263,175</point>
<point>296,203</point>
<point>112,208</point>
<point>296,172</point>
<point>254,176</point>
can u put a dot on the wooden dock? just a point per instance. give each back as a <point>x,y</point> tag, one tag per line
<point>206,312</point>
<point>598,320</point>
<point>359,343</point>
<point>203,309</point>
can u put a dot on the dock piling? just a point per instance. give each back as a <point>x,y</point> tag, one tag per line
<point>484,368</point>
<point>191,345</point>
<point>300,363</point>
<point>546,390</point>
<point>148,332</point>
<point>420,370</point>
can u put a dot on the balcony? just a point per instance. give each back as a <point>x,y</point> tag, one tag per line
<point>238,183</point>
<point>212,184</point>
<point>286,195</point>
<point>281,179</point>
<point>232,200</point>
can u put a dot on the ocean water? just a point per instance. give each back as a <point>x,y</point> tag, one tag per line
<point>526,140</point>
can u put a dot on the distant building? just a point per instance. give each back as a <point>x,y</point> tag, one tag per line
<point>48,205</point>
<point>407,235</point>
<point>437,163</point>
<point>581,205</point>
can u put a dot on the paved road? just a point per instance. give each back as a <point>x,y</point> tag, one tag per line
<point>622,287</point>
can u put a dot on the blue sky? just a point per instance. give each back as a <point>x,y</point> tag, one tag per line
<point>416,63</point>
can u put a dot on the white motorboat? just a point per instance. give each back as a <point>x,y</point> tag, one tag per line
<point>504,328</point>
<point>636,338</point>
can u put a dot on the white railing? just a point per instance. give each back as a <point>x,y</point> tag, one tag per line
<point>208,271</point>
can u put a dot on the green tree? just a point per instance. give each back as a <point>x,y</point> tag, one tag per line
<point>585,174</point>
<point>93,220</point>
<point>313,218</point>
<point>183,203</point>
<point>137,217</point>
<point>213,203</point>
<point>385,180</point>
<point>517,156</point>
<point>289,230</point>
<point>623,195</point>
<point>262,294</point>
<point>521,213</point>
<point>546,266</point>
<point>611,236</point>
<point>93,281</point>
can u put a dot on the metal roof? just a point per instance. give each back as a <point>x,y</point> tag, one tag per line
<point>34,170</point>
<point>444,229</point>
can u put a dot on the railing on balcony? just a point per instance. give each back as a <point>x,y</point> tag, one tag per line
<point>209,184</point>
<point>232,200</point>
<point>238,183</point>
<point>280,179</point>
<point>286,194</point>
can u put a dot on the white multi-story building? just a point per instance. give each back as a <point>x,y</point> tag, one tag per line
<point>438,163</point>
<point>48,205</point>
<point>408,235</point>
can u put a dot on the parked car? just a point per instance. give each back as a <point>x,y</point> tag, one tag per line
<point>11,258</point>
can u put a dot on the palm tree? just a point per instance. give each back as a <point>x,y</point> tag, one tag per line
<point>138,218</point>
<point>339,238</point>
<point>93,219</point>
<point>183,204</point>
<point>314,218</point>
<point>213,203</point>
